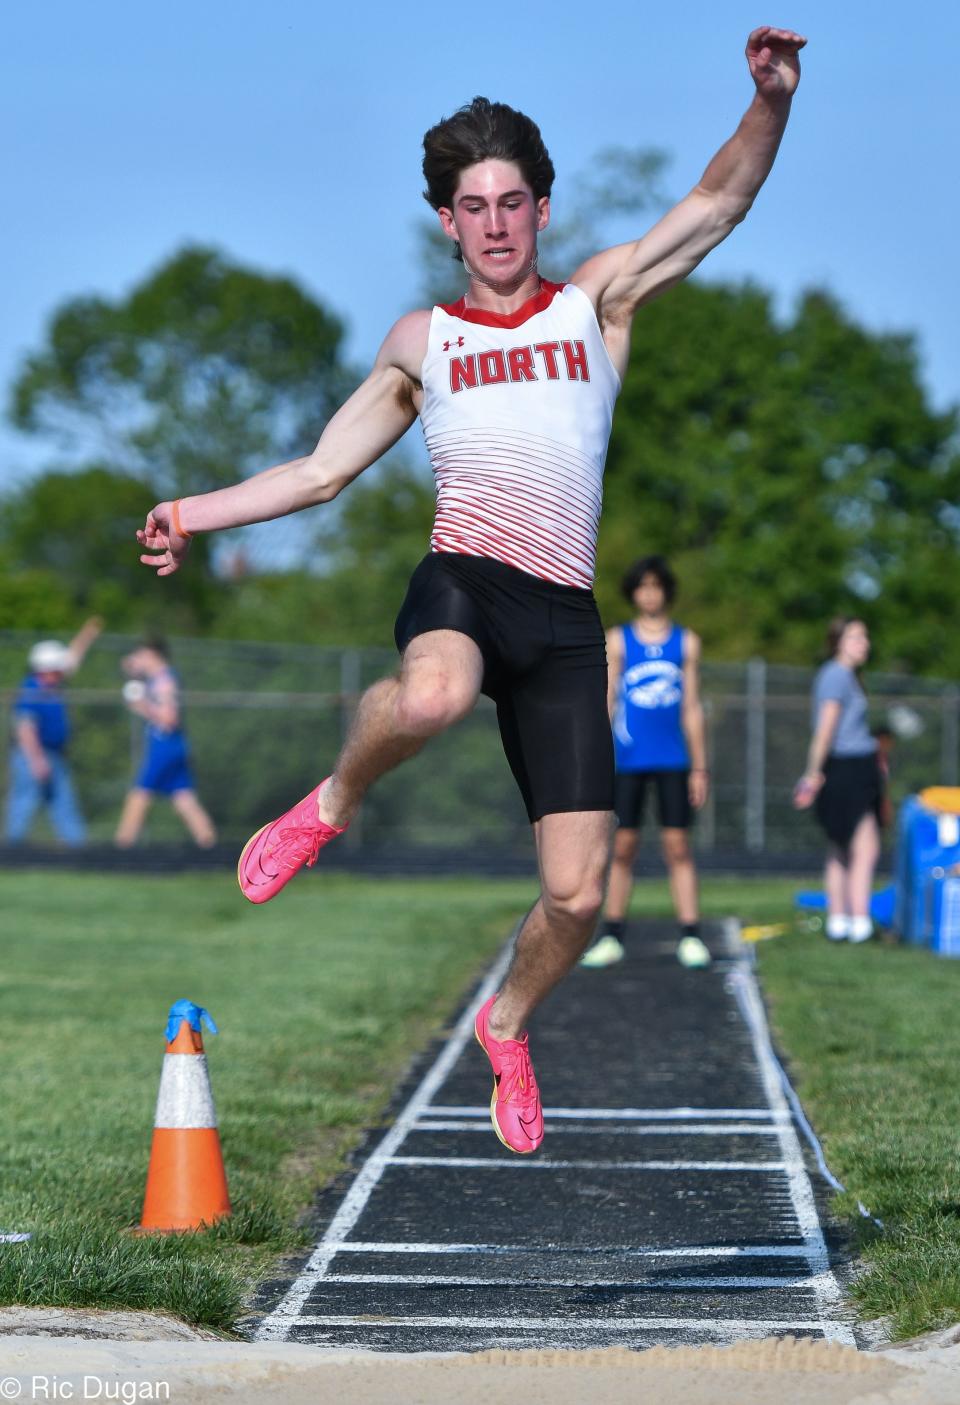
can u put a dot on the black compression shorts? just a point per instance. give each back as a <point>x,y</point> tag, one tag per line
<point>673,798</point>
<point>545,667</point>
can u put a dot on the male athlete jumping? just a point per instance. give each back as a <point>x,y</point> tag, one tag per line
<point>515,386</point>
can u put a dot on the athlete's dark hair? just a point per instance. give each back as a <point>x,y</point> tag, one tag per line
<point>158,644</point>
<point>483,131</point>
<point>835,631</point>
<point>650,566</point>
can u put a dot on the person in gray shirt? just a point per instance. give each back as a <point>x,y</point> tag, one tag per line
<point>842,781</point>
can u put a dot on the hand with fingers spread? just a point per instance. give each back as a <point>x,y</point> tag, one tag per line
<point>772,55</point>
<point>165,546</point>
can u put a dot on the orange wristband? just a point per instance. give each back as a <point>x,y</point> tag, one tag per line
<point>175,515</point>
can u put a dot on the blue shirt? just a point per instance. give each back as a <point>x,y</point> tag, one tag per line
<point>153,695</point>
<point>837,683</point>
<point>647,728</point>
<point>46,709</point>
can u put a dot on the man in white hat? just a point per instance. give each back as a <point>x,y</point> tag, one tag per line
<point>39,774</point>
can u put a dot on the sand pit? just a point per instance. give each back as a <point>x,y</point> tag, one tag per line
<point>769,1372</point>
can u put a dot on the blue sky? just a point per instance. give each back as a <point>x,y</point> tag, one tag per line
<point>288,134</point>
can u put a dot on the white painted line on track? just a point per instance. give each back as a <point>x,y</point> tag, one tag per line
<point>525,1163</point>
<point>646,1285</point>
<point>626,1114</point>
<point>710,1326</point>
<point>276,1325</point>
<point>828,1290</point>
<point>696,1251</point>
<point>688,1129</point>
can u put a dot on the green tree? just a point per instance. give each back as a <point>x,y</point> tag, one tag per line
<point>365,550</point>
<point>67,539</point>
<point>790,470</point>
<point>32,599</point>
<point>382,532</point>
<point>207,371</point>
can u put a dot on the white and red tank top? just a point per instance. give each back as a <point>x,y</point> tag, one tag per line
<point>516,415</point>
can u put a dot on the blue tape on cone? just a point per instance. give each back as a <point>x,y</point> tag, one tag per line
<point>182,1010</point>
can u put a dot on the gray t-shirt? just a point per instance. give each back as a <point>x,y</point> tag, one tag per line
<point>837,683</point>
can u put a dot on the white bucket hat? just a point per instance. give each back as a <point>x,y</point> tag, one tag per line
<point>50,656</point>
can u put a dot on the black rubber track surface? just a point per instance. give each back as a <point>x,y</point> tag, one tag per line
<point>669,1203</point>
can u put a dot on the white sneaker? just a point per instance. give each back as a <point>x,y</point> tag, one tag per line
<point>606,952</point>
<point>837,927</point>
<point>692,953</point>
<point>861,930</point>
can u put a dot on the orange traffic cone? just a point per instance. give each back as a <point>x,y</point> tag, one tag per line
<point>186,1182</point>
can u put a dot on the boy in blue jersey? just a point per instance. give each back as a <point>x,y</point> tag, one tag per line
<point>39,773</point>
<point>658,733</point>
<point>153,693</point>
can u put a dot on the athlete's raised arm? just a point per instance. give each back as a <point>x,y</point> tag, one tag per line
<point>363,429</point>
<point>620,279</point>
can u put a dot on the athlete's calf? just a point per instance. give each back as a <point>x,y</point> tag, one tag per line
<point>573,851</point>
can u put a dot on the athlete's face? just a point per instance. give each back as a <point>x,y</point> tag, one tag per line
<point>854,647</point>
<point>649,596</point>
<point>142,663</point>
<point>496,220</point>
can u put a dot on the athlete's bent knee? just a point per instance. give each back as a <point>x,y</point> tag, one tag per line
<point>676,848</point>
<point>424,711</point>
<point>581,906</point>
<point>626,844</point>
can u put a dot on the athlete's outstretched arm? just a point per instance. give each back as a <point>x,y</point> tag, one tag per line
<point>363,429</point>
<point>621,279</point>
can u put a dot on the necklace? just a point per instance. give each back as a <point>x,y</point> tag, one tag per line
<point>505,288</point>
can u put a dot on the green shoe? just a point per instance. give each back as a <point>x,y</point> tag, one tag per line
<point>606,952</point>
<point>692,953</point>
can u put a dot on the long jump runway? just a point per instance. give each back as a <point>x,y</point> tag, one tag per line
<point>670,1202</point>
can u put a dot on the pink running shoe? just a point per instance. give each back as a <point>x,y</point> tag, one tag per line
<point>276,852</point>
<point>515,1109</point>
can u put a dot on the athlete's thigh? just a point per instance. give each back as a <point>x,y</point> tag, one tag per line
<point>673,799</point>
<point>573,849</point>
<point>629,795</point>
<point>560,732</point>
<point>511,739</point>
<point>184,800</point>
<point>446,659</point>
<point>442,597</point>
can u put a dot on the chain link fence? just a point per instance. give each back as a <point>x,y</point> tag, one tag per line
<point>265,720</point>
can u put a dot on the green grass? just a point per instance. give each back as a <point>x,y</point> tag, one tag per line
<point>321,999</point>
<point>872,1036</point>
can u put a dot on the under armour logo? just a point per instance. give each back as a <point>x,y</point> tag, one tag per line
<point>448,344</point>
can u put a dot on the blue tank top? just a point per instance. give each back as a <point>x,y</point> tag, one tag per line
<point>153,732</point>
<point>647,734</point>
